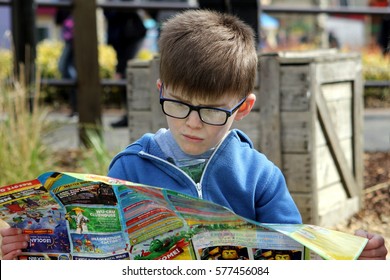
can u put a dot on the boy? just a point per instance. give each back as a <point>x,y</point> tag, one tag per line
<point>208,65</point>
<point>208,68</point>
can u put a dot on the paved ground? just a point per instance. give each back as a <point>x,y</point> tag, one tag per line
<point>65,135</point>
<point>376,131</point>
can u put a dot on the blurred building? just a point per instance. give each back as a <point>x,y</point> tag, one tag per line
<point>46,27</point>
<point>346,30</point>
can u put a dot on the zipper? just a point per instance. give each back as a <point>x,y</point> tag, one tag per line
<point>198,186</point>
<point>199,190</point>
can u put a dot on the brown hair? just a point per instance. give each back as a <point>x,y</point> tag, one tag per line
<point>207,54</point>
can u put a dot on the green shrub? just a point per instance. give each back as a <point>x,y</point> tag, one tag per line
<point>48,55</point>
<point>22,155</point>
<point>6,64</point>
<point>97,157</point>
<point>376,67</point>
<point>49,52</point>
<point>107,61</point>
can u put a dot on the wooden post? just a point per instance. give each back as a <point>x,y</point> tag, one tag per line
<point>358,126</point>
<point>87,66</point>
<point>24,38</point>
<point>269,100</point>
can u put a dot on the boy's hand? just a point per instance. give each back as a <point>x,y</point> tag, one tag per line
<point>13,241</point>
<point>375,248</point>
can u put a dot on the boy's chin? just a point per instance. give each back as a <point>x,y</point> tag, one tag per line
<point>192,150</point>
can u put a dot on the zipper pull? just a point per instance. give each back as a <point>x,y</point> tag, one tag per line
<point>199,190</point>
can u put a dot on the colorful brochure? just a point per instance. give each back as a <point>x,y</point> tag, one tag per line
<point>86,216</point>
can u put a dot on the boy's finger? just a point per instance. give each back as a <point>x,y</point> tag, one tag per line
<point>377,254</point>
<point>13,247</point>
<point>10,231</point>
<point>9,239</point>
<point>12,255</point>
<point>14,242</point>
<point>361,233</point>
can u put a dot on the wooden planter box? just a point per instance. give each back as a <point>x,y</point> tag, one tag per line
<point>307,119</point>
<point>311,116</point>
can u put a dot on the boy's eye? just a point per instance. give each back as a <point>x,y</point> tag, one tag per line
<point>211,112</point>
<point>177,106</point>
<point>213,116</point>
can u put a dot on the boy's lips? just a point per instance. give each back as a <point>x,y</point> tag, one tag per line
<point>192,138</point>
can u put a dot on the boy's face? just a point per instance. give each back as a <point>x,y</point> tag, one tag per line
<point>192,135</point>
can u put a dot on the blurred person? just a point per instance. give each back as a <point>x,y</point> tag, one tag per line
<point>125,33</point>
<point>384,35</point>
<point>66,63</point>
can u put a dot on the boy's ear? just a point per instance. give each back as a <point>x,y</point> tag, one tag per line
<point>158,84</point>
<point>246,107</point>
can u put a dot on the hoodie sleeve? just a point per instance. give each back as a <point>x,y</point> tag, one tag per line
<point>275,204</point>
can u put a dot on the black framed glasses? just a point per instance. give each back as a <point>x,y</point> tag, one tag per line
<point>209,115</point>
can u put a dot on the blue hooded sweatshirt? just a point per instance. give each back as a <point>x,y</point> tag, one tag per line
<point>236,176</point>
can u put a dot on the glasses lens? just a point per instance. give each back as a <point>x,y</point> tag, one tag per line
<point>212,116</point>
<point>175,109</point>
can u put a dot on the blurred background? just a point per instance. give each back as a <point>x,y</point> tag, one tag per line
<point>282,25</point>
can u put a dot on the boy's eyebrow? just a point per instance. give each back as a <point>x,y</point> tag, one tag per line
<point>180,98</point>
<point>189,102</point>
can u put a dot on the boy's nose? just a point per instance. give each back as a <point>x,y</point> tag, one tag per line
<point>193,120</point>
